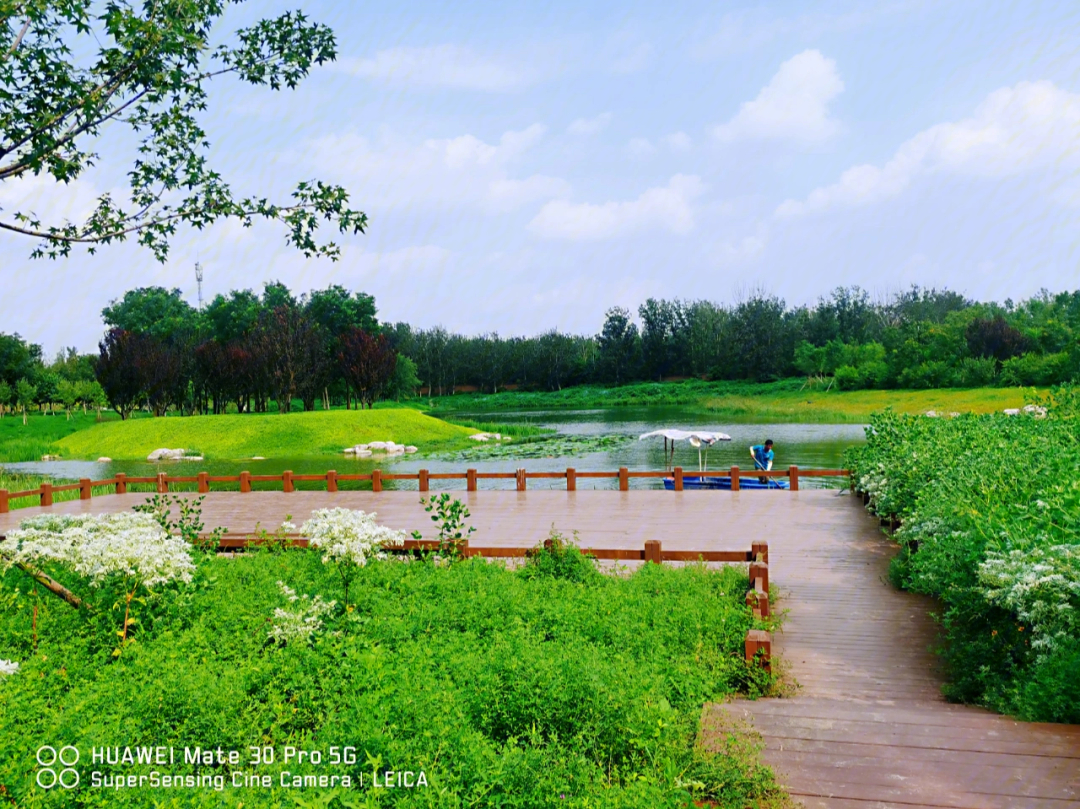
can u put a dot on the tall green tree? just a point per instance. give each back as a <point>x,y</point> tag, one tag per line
<point>619,346</point>
<point>74,73</point>
<point>155,311</point>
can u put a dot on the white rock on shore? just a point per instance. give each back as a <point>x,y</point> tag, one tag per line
<point>103,459</point>
<point>172,455</point>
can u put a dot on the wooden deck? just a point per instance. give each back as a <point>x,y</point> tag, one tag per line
<point>868,728</point>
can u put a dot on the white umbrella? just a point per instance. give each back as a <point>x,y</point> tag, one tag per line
<point>697,438</point>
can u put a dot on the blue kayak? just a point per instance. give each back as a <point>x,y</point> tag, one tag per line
<point>711,482</point>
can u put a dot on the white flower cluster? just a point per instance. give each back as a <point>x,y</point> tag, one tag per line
<point>8,667</point>
<point>302,623</point>
<point>348,536</point>
<point>1041,585</point>
<point>101,546</point>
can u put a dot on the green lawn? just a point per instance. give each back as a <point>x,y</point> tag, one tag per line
<point>291,435</point>
<point>29,442</point>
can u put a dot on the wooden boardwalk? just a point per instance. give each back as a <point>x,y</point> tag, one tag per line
<point>867,729</point>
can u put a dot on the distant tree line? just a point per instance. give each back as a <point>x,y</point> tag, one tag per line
<point>919,338</point>
<point>250,352</point>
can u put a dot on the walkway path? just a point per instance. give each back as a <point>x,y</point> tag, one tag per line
<point>868,729</point>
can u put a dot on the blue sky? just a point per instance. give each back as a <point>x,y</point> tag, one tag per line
<point>526,168</point>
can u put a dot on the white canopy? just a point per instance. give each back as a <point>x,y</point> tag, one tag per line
<point>703,436</point>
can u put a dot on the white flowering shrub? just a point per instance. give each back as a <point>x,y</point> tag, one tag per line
<point>346,535</point>
<point>133,546</point>
<point>8,667</point>
<point>348,539</point>
<point>302,620</point>
<point>1041,585</point>
<point>132,550</point>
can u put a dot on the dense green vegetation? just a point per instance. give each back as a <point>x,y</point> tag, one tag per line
<point>790,400</point>
<point>917,339</point>
<point>990,513</point>
<point>551,686</point>
<point>293,435</point>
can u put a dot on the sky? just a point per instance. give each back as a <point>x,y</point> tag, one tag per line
<point>528,166</point>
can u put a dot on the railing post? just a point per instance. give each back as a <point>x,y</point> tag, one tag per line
<point>760,570</point>
<point>376,480</point>
<point>84,489</point>
<point>758,640</point>
<point>422,482</point>
<point>758,602</point>
<point>624,479</point>
<point>678,479</point>
<point>46,494</point>
<point>652,550</point>
<point>121,483</point>
<point>470,480</point>
<point>287,481</point>
<point>162,483</point>
<point>734,478</point>
<point>245,482</point>
<point>331,481</point>
<point>4,501</point>
<point>521,480</point>
<point>204,482</point>
<point>793,478</point>
<point>759,552</point>
<point>571,479</point>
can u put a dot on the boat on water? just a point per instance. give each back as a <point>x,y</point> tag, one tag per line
<point>702,440</point>
<point>724,482</point>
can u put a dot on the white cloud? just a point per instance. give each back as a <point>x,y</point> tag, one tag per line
<point>449,66</point>
<point>1015,129</point>
<point>460,170</point>
<point>590,126</point>
<point>639,148</point>
<point>669,208</point>
<point>51,201</point>
<point>678,141</point>
<point>793,105</point>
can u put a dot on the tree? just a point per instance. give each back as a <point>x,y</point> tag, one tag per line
<point>367,363</point>
<point>150,310</point>
<point>25,393</point>
<point>619,346</point>
<point>18,359</point>
<point>68,394</point>
<point>6,394</point>
<point>994,338</point>
<point>117,370</point>
<point>72,72</point>
<point>404,382</point>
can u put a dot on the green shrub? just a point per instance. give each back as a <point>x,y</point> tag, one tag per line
<point>990,507</point>
<point>506,690</point>
<point>849,378</point>
<point>559,559</point>
<point>1035,369</point>
<point>975,372</point>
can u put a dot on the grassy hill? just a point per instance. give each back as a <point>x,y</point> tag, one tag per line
<point>292,435</point>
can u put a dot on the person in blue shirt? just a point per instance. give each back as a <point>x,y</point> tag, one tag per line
<point>763,456</point>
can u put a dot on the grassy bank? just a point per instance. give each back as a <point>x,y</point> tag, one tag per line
<point>293,435</point>
<point>784,401</point>
<point>554,686</point>
<point>19,442</point>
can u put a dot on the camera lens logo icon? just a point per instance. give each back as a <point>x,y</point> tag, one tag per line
<point>50,760</point>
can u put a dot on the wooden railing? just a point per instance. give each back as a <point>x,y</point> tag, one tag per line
<point>119,484</point>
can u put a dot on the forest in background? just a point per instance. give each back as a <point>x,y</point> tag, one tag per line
<point>249,351</point>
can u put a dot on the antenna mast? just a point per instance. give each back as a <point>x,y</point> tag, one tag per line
<point>198,279</point>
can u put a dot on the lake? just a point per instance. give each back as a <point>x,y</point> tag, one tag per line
<point>810,446</point>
